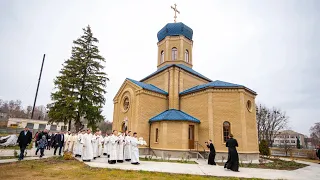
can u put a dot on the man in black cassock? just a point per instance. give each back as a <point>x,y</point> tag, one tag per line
<point>212,154</point>
<point>233,157</point>
<point>318,152</point>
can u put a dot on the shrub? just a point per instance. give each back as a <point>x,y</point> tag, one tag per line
<point>264,148</point>
<point>67,156</point>
<point>311,155</point>
<point>222,159</point>
<point>15,153</point>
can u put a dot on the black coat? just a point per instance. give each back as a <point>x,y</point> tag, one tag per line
<point>212,154</point>
<point>318,152</point>
<point>212,149</point>
<point>58,140</point>
<point>23,139</point>
<point>42,134</point>
<point>233,157</point>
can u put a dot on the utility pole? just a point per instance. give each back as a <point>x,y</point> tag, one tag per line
<point>35,98</point>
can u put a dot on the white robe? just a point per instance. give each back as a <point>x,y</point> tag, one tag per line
<point>71,141</point>
<point>109,146</point>
<point>135,150</point>
<point>113,147</point>
<point>95,146</point>
<point>127,148</point>
<point>120,148</point>
<point>106,145</point>
<point>87,153</point>
<point>65,140</point>
<point>100,142</point>
<point>78,146</point>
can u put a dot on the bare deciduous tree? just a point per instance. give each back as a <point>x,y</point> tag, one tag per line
<point>285,145</point>
<point>315,134</point>
<point>270,122</point>
<point>105,126</point>
<point>15,109</point>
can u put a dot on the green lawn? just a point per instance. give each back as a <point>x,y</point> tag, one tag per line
<point>165,160</point>
<point>16,147</point>
<point>275,164</point>
<point>57,168</point>
<point>7,157</point>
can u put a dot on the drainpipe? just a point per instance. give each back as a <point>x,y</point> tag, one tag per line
<point>149,137</point>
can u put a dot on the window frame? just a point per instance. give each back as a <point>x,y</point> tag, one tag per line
<point>162,56</point>
<point>157,135</point>
<point>174,54</point>
<point>224,131</point>
<point>186,56</point>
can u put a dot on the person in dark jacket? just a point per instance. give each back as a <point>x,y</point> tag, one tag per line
<point>49,140</point>
<point>318,152</point>
<point>212,154</point>
<point>233,157</point>
<point>42,145</point>
<point>24,139</point>
<point>39,137</point>
<point>59,141</point>
<point>53,137</point>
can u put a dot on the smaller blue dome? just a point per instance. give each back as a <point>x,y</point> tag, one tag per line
<point>175,29</point>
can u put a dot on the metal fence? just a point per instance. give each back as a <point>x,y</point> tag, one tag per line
<point>303,153</point>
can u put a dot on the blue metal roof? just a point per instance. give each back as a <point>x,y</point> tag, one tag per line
<point>175,29</point>
<point>215,84</point>
<point>174,115</point>
<point>149,87</point>
<point>186,68</point>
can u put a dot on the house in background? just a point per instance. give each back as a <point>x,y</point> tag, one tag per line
<point>35,124</point>
<point>289,137</point>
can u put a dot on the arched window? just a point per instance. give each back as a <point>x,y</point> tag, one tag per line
<point>174,53</point>
<point>162,57</point>
<point>186,56</point>
<point>226,130</point>
<point>157,135</point>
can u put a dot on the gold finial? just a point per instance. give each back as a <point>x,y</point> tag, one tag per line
<point>175,12</point>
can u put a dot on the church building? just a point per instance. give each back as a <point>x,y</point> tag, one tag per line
<point>176,109</point>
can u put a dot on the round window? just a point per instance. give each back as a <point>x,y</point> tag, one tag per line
<point>126,104</point>
<point>249,105</point>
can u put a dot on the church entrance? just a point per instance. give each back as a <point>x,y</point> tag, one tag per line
<point>191,136</point>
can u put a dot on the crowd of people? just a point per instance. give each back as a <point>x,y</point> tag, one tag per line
<point>117,146</point>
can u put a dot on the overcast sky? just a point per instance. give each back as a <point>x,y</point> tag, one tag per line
<point>272,47</point>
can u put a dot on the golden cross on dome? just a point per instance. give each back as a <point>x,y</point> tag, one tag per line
<point>175,12</point>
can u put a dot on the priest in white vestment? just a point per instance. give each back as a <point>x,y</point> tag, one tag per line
<point>134,149</point>
<point>71,141</point>
<point>79,146</point>
<point>113,147</point>
<point>65,141</point>
<point>105,145</point>
<point>120,148</point>
<point>95,145</point>
<point>127,147</point>
<point>100,143</point>
<point>86,140</point>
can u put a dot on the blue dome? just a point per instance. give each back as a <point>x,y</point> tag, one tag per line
<point>175,29</point>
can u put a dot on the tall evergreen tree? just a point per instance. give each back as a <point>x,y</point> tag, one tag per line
<point>80,87</point>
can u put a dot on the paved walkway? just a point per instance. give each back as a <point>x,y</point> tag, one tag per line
<point>311,172</point>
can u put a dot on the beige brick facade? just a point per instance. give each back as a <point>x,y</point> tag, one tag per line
<point>212,106</point>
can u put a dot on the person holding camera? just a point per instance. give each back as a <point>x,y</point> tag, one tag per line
<point>212,154</point>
